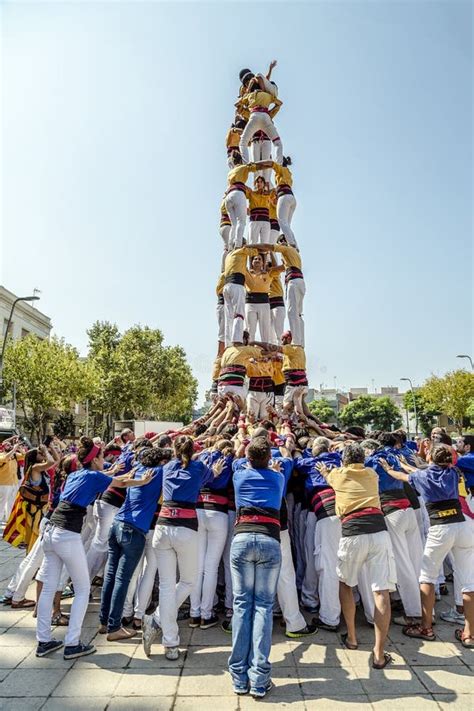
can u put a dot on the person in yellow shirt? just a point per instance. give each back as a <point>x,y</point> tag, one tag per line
<point>233,371</point>
<point>277,307</point>
<point>260,393</point>
<point>236,199</point>
<point>278,384</point>
<point>233,139</point>
<point>257,101</point>
<point>259,207</point>
<point>8,478</point>
<point>295,288</point>
<point>235,268</point>
<point>294,370</point>
<point>286,201</point>
<point>257,301</point>
<point>225,226</point>
<point>274,224</point>
<point>220,312</point>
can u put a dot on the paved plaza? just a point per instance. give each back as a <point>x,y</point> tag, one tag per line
<point>313,674</point>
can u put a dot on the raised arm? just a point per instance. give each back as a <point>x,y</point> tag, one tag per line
<point>271,67</point>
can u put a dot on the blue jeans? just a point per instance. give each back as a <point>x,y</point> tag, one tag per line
<point>255,560</point>
<point>126,545</point>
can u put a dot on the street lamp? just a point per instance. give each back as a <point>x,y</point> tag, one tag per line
<point>469,359</point>
<point>20,298</point>
<point>414,404</point>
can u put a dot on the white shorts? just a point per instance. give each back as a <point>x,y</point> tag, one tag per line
<point>457,539</point>
<point>372,551</point>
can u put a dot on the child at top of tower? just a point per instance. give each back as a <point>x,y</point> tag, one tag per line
<point>260,106</point>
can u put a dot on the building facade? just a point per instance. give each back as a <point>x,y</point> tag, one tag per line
<point>26,318</point>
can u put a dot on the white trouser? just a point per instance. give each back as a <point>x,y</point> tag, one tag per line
<point>226,559</point>
<point>147,580</point>
<point>234,303</point>
<point>286,588</point>
<point>63,547</point>
<point>97,554</point>
<point>310,581</point>
<point>235,390</point>
<point>174,545</point>
<point>261,150</point>
<point>293,394</point>
<point>260,121</point>
<point>27,569</point>
<point>408,550</point>
<point>236,206</point>
<point>274,234</point>
<point>326,544</point>
<point>277,315</point>
<point>285,208</point>
<point>212,534</point>
<point>7,497</point>
<point>295,292</point>
<point>220,311</point>
<point>258,403</point>
<point>259,232</point>
<point>225,231</point>
<point>454,538</point>
<point>258,313</point>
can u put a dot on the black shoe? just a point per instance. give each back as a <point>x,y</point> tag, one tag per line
<point>45,648</point>
<point>317,622</point>
<point>194,621</point>
<point>305,632</point>
<point>211,622</point>
<point>78,650</point>
<point>227,626</point>
<point>127,621</point>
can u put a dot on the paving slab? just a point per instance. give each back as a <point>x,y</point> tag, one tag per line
<point>214,681</point>
<point>204,703</point>
<point>148,682</point>
<point>286,693</point>
<point>22,704</point>
<point>87,682</point>
<point>10,657</point>
<point>85,703</point>
<point>323,703</point>
<point>316,681</point>
<point>455,702</point>
<point>415,702</point>
<point>142,703</point>
<point>157,660</point>
<point>35,682</point>
<point>437,653</point>
<point>395,681</point>
<point>457,680</point>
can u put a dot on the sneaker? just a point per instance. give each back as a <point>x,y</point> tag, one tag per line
<point>313,609</point>
<point>258,692</point>
<point>194,621</point>
<point>211,622</point>
<point>67,592</point>
<point>453,616</point>
<point>45,648</point>
<point>78,650</point>
<point>240,689</point>
<point>172,653</point>
<point>150,633</point>
<point>227,626</point>
<point>305,632</point>
<point>317,622</point>
<point>6,600</point>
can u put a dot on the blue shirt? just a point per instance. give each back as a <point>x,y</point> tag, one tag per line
<point>436,483</point>
<point>222,481</point>
<point>83,485</point>
<point>183,485</point>
<point>140,502</point>
<point>127,458</point>
<point>261,487</point>
<point>466,465</point>
<point>386,482</point>
<point>313,478</point>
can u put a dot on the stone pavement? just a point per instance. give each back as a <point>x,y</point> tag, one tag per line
<point>314,674</point>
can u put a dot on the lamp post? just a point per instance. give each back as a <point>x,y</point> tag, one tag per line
<point>469,359</point>
<point>20,298</point>
<point>414,404</point>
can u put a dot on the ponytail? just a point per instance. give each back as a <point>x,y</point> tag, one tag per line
<point>184,450</point>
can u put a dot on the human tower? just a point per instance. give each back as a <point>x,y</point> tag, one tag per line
<point>256,231</point>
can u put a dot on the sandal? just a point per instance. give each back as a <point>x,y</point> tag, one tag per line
<point>419,632</point>
<point>347,644</point>
<point>465,640</point>
<point>23,604</point>
<point>136,624</point>
<point>387,659</point>
<point>60,620</point>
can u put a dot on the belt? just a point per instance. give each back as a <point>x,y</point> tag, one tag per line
<point>363,512</point>
<point>256,518</point>
<point>177,512</point>
<point>212,499</point>
<point>259,109</point>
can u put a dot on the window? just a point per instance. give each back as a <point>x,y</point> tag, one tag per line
<point>24,333</point>
<point>4,330</point>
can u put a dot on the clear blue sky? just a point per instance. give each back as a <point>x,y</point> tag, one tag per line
<point>114,120</point>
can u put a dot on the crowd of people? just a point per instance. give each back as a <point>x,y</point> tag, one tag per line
<point>256,509</point>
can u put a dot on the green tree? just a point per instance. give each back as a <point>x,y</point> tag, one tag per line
<point>139,377</point>
<point>63,425</point>
<point>451,395</point>
<point>381,413</point>
<point>48,375</point>
<point>386,415</point>
<point>322,409</point>
<point>426,414</point>
<point>470,412</point>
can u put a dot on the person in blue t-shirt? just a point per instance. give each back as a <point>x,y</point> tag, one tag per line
<point>62,545</point>
<point>326,532</point>
<point>449,532</point>
<point>127,542</point>
<point>176,541</point>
